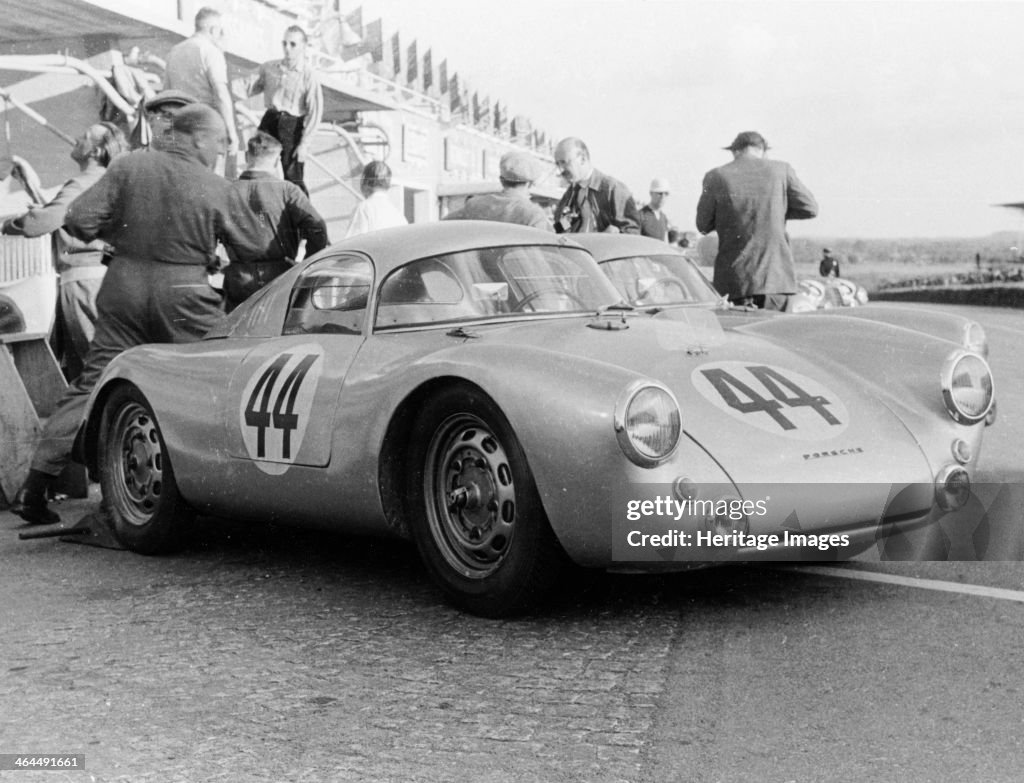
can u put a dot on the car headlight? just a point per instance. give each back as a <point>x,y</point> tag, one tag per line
<point>967,387</point>
<point>647,423</point>
<point>974,339</point>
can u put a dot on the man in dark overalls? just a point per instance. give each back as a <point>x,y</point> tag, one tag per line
<point>163,211</point>
<point>278,219</point>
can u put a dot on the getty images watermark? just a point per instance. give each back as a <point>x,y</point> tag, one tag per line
<point>716,516</point>
<point>672,523</point>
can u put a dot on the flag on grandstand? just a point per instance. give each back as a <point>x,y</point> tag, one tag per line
<point>412,70</point>
<point>454,96</point>
<point>373,41</point>
<point>428,70</point>
<point>396,55</point>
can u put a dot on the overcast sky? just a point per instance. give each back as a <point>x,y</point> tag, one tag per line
<point>906,119</point>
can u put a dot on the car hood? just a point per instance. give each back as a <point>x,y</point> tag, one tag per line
<point>765,411</point>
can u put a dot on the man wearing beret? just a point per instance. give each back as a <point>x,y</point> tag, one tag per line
<point>747,202</point>
<point>517,172</point>
<point>155,131</point>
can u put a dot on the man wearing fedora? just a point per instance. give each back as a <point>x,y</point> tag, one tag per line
<point>747,203</point>
<point>517,171</point>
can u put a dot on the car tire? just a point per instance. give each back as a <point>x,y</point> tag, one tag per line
<point>140,494</point>
<point>474,511</point>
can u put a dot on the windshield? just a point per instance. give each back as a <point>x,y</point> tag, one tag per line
<point>670,279</point>
<point>496,282</point>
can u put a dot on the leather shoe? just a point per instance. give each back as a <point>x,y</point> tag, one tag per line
<point>31,506</point>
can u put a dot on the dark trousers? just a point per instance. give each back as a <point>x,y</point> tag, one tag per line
<point>139,302</point>
<point>242,280</point>
<point>287,130</point>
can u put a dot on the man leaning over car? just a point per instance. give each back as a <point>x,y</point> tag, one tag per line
<point>156,289</point>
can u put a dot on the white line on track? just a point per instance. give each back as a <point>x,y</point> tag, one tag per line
<point>909,581</point>
<point>1001,328</point>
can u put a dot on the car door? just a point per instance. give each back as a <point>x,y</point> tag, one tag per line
<point>282,398</point>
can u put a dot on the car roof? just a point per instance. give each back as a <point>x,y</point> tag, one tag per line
<point>389,248</point>
<point>605,247</point>
<point>392,247</point>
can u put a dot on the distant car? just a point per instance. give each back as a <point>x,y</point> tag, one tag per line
<point>482,389</point>
<point>822,293</point>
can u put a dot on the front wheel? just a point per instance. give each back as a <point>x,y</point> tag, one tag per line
<point>139,490</point>
<point>474,510</point>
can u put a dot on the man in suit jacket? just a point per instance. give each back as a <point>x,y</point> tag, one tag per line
<point>747,202</point>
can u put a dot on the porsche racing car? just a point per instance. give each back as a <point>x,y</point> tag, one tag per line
<point>484,390</point>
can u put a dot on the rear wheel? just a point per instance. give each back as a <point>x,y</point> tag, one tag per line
<point>474,510</point>
<point>139,490</point>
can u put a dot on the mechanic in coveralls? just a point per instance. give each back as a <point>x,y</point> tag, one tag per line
<point>280,217</point>
<point>163,212</point>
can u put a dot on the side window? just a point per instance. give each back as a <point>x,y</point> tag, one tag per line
<point>330,297</point>
<point>423,282</point>
<point>423,292</point>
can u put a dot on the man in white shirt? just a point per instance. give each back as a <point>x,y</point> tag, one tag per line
<point>376,210</point>
<point>196,66</point>
<point>294,103</point>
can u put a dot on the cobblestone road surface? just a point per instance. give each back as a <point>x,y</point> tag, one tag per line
<point>308,657</point>
<point>275,655</point>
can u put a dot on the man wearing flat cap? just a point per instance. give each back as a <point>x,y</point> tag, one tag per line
<point>517,172</point>
<point>747,203</point>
